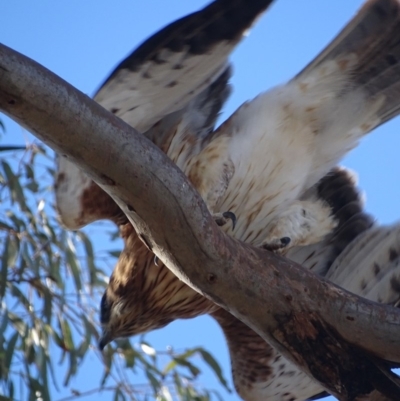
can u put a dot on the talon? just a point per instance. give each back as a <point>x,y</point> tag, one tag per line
<point>272,247</point>
<point>231,216</point>
<point>156,260</point>
<point>277,245</point>
<point>221,218</point>
<point>285,241</point>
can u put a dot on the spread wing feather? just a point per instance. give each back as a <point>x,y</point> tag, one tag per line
<point>169,69</point>
<point>370,267</point>
<point>373,36</point>
<point>159,84</point>
<point>357,79</point>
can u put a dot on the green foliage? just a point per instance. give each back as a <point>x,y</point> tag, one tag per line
<point>50,287</point>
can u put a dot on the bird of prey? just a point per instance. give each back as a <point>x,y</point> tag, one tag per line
<point>262,164</point>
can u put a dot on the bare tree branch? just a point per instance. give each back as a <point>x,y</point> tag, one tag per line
<point>331,334</point>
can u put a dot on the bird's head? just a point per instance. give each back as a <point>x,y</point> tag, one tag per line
<point>142,296</point>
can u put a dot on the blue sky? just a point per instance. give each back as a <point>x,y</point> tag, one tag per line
<point>83,40</point>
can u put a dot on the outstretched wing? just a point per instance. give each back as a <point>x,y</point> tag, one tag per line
<point>177,63</point>
<point>153,87</point>
<point>360,69</point>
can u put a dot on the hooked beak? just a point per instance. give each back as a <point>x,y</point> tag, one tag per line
<point>105,339</point>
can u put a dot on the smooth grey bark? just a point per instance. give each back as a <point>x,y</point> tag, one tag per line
<point>336,337</point>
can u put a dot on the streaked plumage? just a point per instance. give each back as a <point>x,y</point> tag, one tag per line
<point>149,296</point>
<point>261,164</point>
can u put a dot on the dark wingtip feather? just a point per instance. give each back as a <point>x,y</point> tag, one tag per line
<point>338,189</point>
<point>197,33</point>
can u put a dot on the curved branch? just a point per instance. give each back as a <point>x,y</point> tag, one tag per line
<point>330,333</point>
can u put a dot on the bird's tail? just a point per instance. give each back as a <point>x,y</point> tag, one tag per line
<point>370,265</point>
<point>366,56</point>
